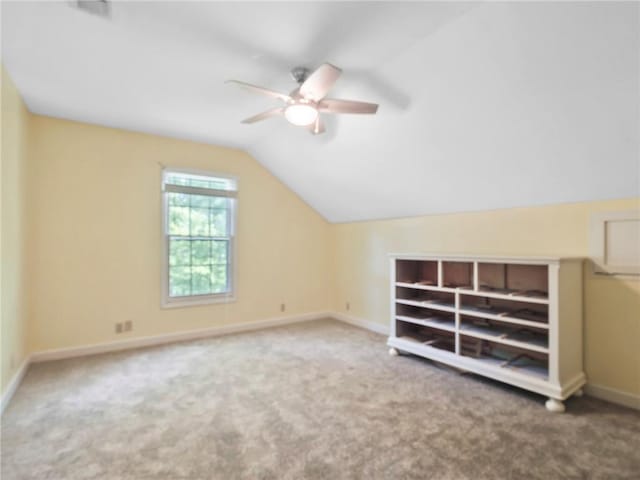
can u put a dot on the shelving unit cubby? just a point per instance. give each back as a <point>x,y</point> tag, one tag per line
<point>517,320</point>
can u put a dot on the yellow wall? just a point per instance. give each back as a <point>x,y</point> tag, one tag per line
<point>612,305</point>
<point>96,237</point>
<point>13,173</point>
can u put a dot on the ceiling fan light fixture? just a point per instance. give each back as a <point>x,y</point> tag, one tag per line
<point>301,114</point>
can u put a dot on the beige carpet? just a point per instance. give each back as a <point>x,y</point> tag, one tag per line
<point>309,401</point>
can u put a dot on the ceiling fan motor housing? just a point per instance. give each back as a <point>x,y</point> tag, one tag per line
<point>300,74</point>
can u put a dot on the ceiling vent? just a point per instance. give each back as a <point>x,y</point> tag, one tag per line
<point>101,8</point>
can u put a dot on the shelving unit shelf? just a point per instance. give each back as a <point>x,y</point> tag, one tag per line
<point>513,319</point>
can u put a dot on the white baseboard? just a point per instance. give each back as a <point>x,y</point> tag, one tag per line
<point>61,353</point>
<point>362,323</point>
<point>612,395</point>
<point>13,385</point>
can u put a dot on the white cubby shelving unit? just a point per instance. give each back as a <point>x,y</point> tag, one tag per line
<point>514,319</point>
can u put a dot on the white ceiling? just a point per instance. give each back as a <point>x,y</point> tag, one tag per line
<point>482,106</point>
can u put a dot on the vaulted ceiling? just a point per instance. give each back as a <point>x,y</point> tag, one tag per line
<point>482,105</point>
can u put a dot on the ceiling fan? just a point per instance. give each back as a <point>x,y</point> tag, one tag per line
<point>304,104</point>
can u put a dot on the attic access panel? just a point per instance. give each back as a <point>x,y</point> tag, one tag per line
<point>615,242</point>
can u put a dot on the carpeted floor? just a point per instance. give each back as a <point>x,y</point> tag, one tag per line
<point>319,400</point>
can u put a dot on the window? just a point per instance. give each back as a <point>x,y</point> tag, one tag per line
<point>199,217</point>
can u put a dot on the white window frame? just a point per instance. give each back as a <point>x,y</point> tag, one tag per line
<point>194,300</point>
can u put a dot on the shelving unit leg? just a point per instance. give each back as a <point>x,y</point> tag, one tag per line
<point>554,405</point>
<point>393,352</point>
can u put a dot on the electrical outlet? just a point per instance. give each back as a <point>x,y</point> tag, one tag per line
<point>128,326</point>
<point>347,306</point>
<point>282,307</point>
<point>119,327</point>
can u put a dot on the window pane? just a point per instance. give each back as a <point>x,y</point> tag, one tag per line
<point>176,179</point>
<point>199,222</point>
<point>201,252</point>
<point>179,281</point>
<point>179,252</point>
<point>201,201</point>
<point>219,252</point>
<point>219,222</point>
<point>203,183</point>
<point>220,202</point>
<point>178,199</point>
<point>178,220</point>
<point>200,181</point>
<point>201,280</point>
<point>198,267</point>
<point>219,278</point>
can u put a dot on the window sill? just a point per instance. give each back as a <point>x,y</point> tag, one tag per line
<point>198,302</point>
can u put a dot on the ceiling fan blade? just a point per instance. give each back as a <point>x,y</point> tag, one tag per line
<point>318,84</point>
<point>264,115</point>
<point>332,105</point>
<point>317,127</point>
<point>263,91</point>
